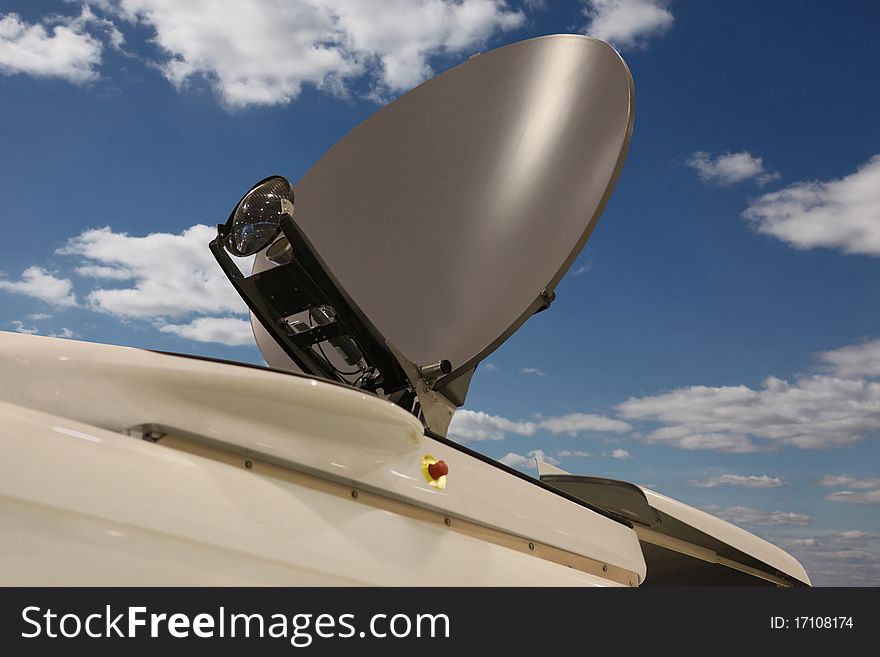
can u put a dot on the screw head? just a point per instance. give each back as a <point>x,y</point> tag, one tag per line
<point>354,494</point>
<point>248,464</point>
<point>447,522</point>
<point>604,567</point>
<point>532,547</point>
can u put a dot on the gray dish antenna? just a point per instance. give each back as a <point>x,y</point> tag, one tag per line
<point>450,215</point>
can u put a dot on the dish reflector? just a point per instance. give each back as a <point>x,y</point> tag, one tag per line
<point>451,214</point>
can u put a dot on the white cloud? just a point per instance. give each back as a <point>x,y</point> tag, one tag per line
<point>489,367</point>
<point>64,50</point>
<point>262,52</point>
<point>157,278</point>
<point>576,423</point>
<point>230,331</point>
<point>842,213</point>
<point>583,269</point>
<point>627,23</point>
<point>620,454</point>
<point>854,361</point>
<point>477,425</point>
<point>108,273</point>
<point>172,274</point>
<point>568,453</point>
<point>38,283</point>
<point>515,460</point>
<point>853,535</point>
<point>812,413</point>
<point>859,491</point>
<point>867,497</point>
<point>730,168</point>
<point>849,558</point>
<point>533,371</point>
<point>825,539</point>
<point>528,461</point>
<point>19,327</point>
<point>743,515</point>
<point>685,437</point>
<point>748,481</point>
<point>846,481</point>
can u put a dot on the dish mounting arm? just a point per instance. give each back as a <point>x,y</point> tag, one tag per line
<point>301,282</point>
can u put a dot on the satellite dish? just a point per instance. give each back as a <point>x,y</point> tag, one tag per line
<point>450,215</point>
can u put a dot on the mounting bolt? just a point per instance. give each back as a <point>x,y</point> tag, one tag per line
<point>354,494</point>
<point>532,547</point>
<point>248,465</point>
<point>447,522</point>
<point>604,567</point>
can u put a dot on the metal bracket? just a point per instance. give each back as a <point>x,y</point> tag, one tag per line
<point>544,300</point>
<point>437,409</point>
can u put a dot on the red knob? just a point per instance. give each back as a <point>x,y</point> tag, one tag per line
<point>438,469</point>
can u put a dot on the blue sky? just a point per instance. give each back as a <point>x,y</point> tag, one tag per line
<point>717,339</point>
